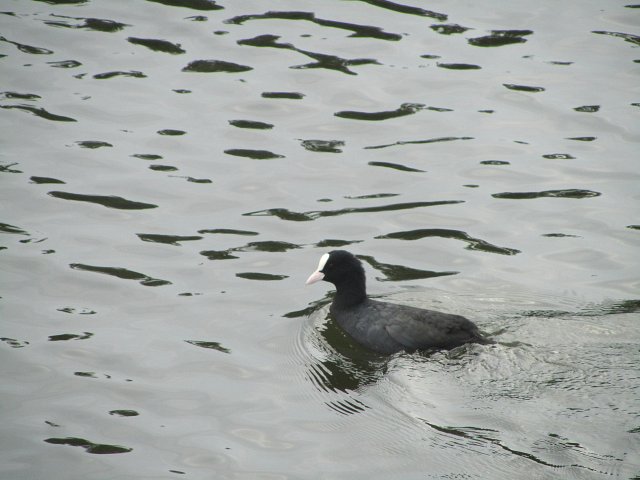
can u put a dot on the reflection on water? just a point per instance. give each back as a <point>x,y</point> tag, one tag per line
<point>142,147</point>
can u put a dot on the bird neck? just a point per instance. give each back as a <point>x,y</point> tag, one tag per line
<point>350,292</point>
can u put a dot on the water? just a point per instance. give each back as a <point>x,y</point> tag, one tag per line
<point>172,171</point>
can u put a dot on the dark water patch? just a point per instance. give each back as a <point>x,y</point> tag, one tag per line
<point>260,276</point>
<point>109,201</point>
<point>6,228</point>
<point>90,447</point>
<point>40,112</point>
<point>627,37</point>
<point>122,273</point>
<point>329,62</point>
<point>418,142</point>
<point>228,231</point>
<point>6,168</point>
<point>253,154</point>
<point>399,273</point>
<point>335,243</point>
<point>559,156</point>
<point>634,227</point>
<point>63,2</point>
<point>430,57</point>
<point>163,168</point>
<point>157,45</point>
<point>395,166</point>
<point>86,374</point>
<point>209,345</point>
<point>219,254</point>
<point>93,144</point>
<point>358,30</point>
<point>285,214</point>
<point>76,311</point>
<point>459,66</point>
<point>450,29</point>
<point>70,336</point>
<point>13,343</point>
<point>499,38</point>
<point>486,111</point>
<point>305,312</point>
<point>45,180</point>
<point>251,124</point>
<point>147,156</point>
<point>327,146</point>
<point>181,90</point>
<point>588,108</point>
<point>568,193</point>
<point>27,48</point>
<point>169,132</point>
<point>204,5</point>
<point>119,73</point>
<point>332,62</point>
<point>472,243</point>
<point>65,64</point>
<point>439,109</point>
<point>20,96</point>
<point>215,66</point>
<point>372,195</point>
<point>287,95</point>
<point>494,162</point>
<point>559,235</point>
<point>560,63</point>
<point>582,139</point>
<point>523,88</point>
<point>167,239</point>
<point>407,9</point>
<point>267,246</point>
<point>124,413</point>
<point>401,111</point>
<point>96,24</point>
<point>198,180</point>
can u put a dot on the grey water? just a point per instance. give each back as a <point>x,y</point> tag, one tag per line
<point>172,170</point>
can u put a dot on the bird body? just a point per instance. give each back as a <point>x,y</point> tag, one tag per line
<point>387,327</point>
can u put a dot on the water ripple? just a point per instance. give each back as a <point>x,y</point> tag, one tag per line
<point>568,193</point>
<point>329,62</point>
<point>157,45</point>
<point>472,243</point>
<point>399,273</point>
<point>286,214</point>
<point>27,48</point>
<point>97,24</point>
<point>215,66</point>
<point>109,201</point>
<point>40,112</point>
<point>401,111</point>
<point>418,142</point>
<point>122,273</point>
<point>204,5</point>
<point>90,447</point>
<point>408,9</point>
<point>358,30</point>
<point>499,38</point>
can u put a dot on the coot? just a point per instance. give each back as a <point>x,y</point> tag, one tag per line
<point>386,327</point>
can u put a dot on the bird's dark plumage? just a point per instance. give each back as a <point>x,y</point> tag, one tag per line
<point>386,327</point>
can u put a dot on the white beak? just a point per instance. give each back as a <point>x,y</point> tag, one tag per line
<point>318,275</point>
<point>315,277</point>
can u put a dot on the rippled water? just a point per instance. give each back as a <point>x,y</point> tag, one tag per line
<point>171,171</point>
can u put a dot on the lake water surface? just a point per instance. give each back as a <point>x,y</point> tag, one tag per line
<point>172,170</point>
